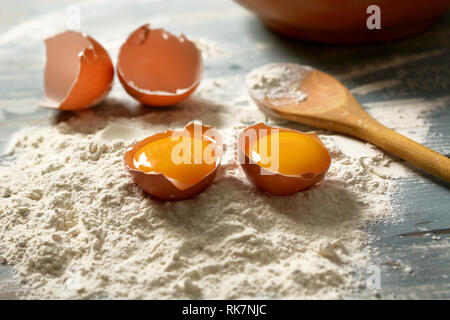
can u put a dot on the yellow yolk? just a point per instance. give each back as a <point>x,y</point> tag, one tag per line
<point>185,159</point>
<point>289,153</point>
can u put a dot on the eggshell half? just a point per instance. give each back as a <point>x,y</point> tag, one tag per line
<point>78,73</point>
<point>158,68</point>
<point>277,184</point>
<point>157,184</point>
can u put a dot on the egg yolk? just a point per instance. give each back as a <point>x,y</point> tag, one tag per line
<point>289,153</point>
<point>185,159</point>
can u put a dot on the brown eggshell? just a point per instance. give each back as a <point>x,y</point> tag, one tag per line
<point>78,73</point>
<point>157,68</point>
<point>162,187</point>
<point>277,184</point>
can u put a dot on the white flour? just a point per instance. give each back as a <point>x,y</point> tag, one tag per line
<point>278,81</point>
<point>73,224</point>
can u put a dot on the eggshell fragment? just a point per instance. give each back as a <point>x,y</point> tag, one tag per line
<point>78,73</point>
<point>157,184</point>
<point>158,68</point>
<point>275,183</point>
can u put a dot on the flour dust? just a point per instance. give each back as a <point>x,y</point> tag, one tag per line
<point>74,225</point>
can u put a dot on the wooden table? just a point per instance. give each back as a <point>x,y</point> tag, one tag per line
<point>421,64</point>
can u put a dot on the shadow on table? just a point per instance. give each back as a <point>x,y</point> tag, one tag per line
<point>195,107</point>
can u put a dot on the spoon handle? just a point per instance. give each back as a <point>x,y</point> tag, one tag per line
<point>407,149</point>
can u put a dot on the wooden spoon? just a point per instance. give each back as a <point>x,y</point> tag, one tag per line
<point>329,105</point>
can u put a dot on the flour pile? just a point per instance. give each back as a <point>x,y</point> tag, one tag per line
<point>74,225</point>
<point>278,81</point>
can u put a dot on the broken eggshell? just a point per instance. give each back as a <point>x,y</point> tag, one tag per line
<point>78,73</point>
<point>276,183</point>
<point>157,184</point>
<point>158,68</point>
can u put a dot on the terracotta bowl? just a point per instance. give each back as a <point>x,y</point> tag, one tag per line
<point>344,21</point>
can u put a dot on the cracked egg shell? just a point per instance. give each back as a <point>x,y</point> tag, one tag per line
<point>78,72</point>
<point>158,68</point>
<point>159,185</point>
<point>275,182</point>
